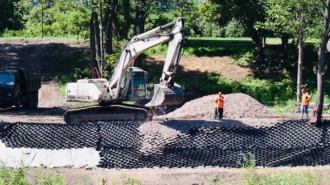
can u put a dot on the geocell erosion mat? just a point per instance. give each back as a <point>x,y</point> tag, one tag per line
<point>191,138</point>
<point>183,143</point>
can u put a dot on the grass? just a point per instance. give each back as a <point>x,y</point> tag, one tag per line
<point>288,105</point>
<point>305,177</point>
<point>24,176</point>
<point>45,176</point>
<point>252,177</point>
<point>248,175</point>
<point>283,107</point>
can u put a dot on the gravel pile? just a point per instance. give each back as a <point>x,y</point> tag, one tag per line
<point>237,105</point>
<point>240,110</point>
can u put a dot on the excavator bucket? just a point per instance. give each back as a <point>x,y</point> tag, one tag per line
<point>164,96</point>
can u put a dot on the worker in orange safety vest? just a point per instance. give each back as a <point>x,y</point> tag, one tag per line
<point>304,103</point>
<point>219,104</point>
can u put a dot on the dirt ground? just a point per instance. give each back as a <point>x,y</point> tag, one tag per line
<point>41,55</point>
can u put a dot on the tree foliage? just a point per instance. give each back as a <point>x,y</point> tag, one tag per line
<point>11,15</point>
<point>248,13</point>
<point>292,18</point>
<point>60,18</point>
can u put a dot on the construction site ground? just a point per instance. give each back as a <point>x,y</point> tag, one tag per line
<point>41,55</point>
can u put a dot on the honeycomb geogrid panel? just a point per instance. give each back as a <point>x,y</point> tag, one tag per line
<point>49,136</point>
<point>123,146</point>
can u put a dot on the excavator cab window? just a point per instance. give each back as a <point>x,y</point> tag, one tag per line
<point>137,90</point>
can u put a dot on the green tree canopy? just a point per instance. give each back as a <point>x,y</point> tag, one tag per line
<point>11,15</point>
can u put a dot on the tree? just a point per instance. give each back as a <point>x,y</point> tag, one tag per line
<point>103,23</point>
<point>321,63</point>
<point>11,15</point>
<point>248,13</point>
<point>60,18</point>
<point>95,39</point>
<point>295,18</point>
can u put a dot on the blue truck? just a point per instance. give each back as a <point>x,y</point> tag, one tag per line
<point>19,88</point>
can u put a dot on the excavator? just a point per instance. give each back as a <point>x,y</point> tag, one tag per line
<point>129,83</point>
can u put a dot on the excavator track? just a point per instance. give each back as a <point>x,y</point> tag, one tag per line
<point>114,112</point>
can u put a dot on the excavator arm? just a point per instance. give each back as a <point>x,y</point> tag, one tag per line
<point>110,94</point>
<point>166,92</point>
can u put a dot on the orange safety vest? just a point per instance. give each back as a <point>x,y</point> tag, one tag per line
<point>218,102</point>
<point>305,99</point>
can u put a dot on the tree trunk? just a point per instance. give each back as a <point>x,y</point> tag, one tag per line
<point>321,66</point>
<point>127,22</point>
<point>93,62</point>
<point>102,55</point>
<point>285,47</point>
<point>261,58</point>
<point>96,35</point>
<point>258,38</point>
<point>108,27</point>
<point>142,16</point>
<point>260,64</point>
<point>300,62</point>
<point>114,18</point>
<point>136,18</point>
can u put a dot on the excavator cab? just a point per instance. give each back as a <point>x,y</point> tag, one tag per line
<point>162,95</point>
<point>138,85</point>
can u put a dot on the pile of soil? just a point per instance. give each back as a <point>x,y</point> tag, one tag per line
<point>239,108</point>
<point>237,105</point>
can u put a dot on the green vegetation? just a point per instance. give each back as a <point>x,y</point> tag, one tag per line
<point>23,176</point>
<point>251,177</point>
<point>306,177</point>
<point>73,67</point>
<point>44,176</point>
<point>64,19</point>
<point>13,176</point>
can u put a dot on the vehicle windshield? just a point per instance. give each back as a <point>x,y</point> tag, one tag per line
<point>7,79</point>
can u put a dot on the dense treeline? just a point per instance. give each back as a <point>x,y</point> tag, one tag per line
<point>105,22</point>
<point>120,20</point>
<point>64,18</point>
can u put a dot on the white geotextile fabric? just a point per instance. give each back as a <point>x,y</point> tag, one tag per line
<point>77,158</point>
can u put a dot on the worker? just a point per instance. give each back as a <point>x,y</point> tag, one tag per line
<point>219,104</point>
<point>304,103</point>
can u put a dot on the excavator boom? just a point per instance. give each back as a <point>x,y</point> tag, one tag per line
<point>127,83</point>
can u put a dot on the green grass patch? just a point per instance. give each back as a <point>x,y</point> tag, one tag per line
<point>45,176</point>
<point>306,177</point>
<point>251,177</point>
<point>24,176</point>
<point>283,107</point>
